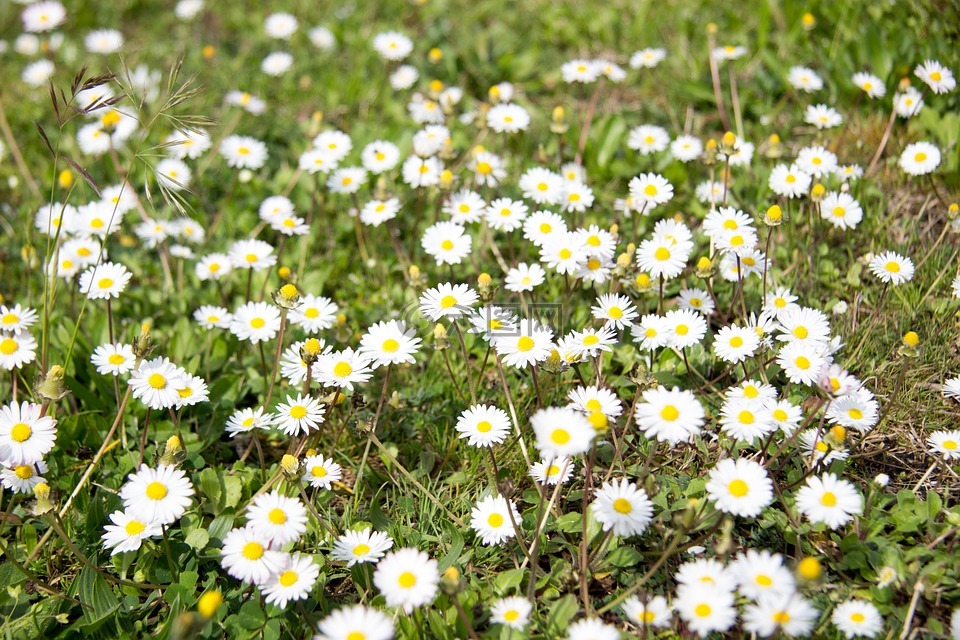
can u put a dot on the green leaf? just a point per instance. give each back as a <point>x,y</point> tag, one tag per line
<point>561,613</point>
<point>93,590</point>
<point>251,615</point>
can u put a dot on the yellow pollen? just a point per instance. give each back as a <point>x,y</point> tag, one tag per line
<point>511,615</point>
<point>573,197</point>
<point>156,490</point>
<point>495,520</point>
<point>949,445</point>
<point>791,179</point>
<point>590,340</point>
<point>565,254</point>
<point>736,342</point>
<point>781,617</point>
<point>21,432</point>
<point>8,346</point>
<point>288,578</point>
<point>525,343</point>
<point>484,426</point>
<point>277,516</point>
<point>484,168</point>
<point>801,332</point>
<point>244,151</point>
<point>319,471</point>
<point>298,412</point>
<point>669,413</point>
<point>855,414</point>
<point>342,369</point>
<point>839,212</point>
<point>390,345</point>
<point>553,470</point>
<point>560,436</point>
<point>96,223</point>
<point>251,257</point>
<point>662,254</point>
<point>214,267</point>
<point>764,580</point>
<point>157,381</point>
<point>311,312</point>
<point>186,392</point>
<point>682,330</point>
<point>730,225</point>
<point>252,551</point>
<point>802,363</point>
<point>105,283</point>
<point>407,580</point>
<point>892,267</point>
<point>615,312</point>
<point>738,488</point>
<point>779,415</point>
<point>829,499</point>
<point>361,549</point>
<point>703,610</point>
<point>134,527</point>
<point>857,617</point>
<point>447,245</point>
<point>622,505</point>
<point>211,319</point>
<point>751,392</point>
<point>745,417</point>
<point>258,323</point>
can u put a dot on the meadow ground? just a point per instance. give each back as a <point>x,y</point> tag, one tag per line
<point>479,320</point>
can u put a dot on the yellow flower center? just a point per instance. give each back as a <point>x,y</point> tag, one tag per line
<point>157,381</point>
<point>791,179</point>
<point>745,417</point>
<point>802,363</point>
<point>703,610</point>
<point>356,635</point>
<point>511,615</point>
<point>682,330</point>
<point>252,551</point>
<point>447,302</point>
<point>764,580</point>
<point>781,617</point>
<point>390,345</point>
<point>105,283</point>
<point>738,488</point>
<point>244,151</point>
<point>21,432</point>
<point>622,505</point>
<point>525,343</point>
<point>949,445</point>
<point>186,392</point>
<point>829,499</point>
<point>545,228</point>
<point>484,426</point>
<point>288,578</point>
<point>447,245</point>
<point>855,414</point>
<point>495,520</point>
<point>590,340</point>
<point>669,413</point>
<point>342,369</point>
<point>277,516</point>
<point>892,267</point>
<point>8,346</point>
<point>407,580</point>
<point>24,471</point>
<point>839,212</point>
<point>650,190</point>
<point>560,436</point>
<point>484,168</point>
<point>662,254</point>
<point>615,312</point>
<point>361,549</point>
<point>298,412</point>
<point>565,254</point>
<point>156,490</point>
<point>736,342</point>
<point>857,617</point>
<point>135,527</point>
<point>779,415</point>
<point>258,323</point>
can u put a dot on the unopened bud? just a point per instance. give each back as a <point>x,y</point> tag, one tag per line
<point>290,466</point>
<point>285,273</point>
<point>42,493</point>
<point>809,569</point>
<point>65,179</point>
<point>52,387</point>
<point>208,603</point>
<point>808,21</point>
<point>911,339</point>
<point>818,192</point>
<point>484,279</point>
<point>435,55</point>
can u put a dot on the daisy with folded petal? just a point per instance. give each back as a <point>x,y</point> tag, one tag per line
<point>649,190</point>
<point>735,344</point>
<point>830,500</point>
<point>540,185</point>
<point>919,158</point>
<point>857,410</point>
<point>936,76</point>
<point>298,415</point>
<point>155,383</point>
<point>789,181</point>
<point>128,533</point>
<point>25,436</point>
<point>585,71</point>
<point>448,300</point>
<point>890,267</point>
<point>295,581</point>
<point>841,210</point>
<point>276,518</point>
<point>761,574</point>
<point>22,478</point>
<point>487,168</point>
<point>802,362</point>
<point>804,79</point>
<point>945,444</point>
<point>248,558</point>
<point>561,431</point>
<point>740,487</point>
<point>356,622</point>
<point>705,609</point>
<point>483,425</point>
<point>615,310</point>
<point>246,420</point>
<point>243,152</point>
<point>104,281</point>
<point>857,618</point>
<point>530,344</point>
<point>320,472</point>
<point>213,266</point>
<point>256,322</point>
<point>446,242</point>
<point>513,612</point>
<point>251,254</point>
<point>491,520</point>
<point>696,300</point>
<point>563,252</point>
<point>16,318</point>
<point>342,368</point>
<point>552,470</point>
<point>158,496</point>
<point>622,508</point>
<point>790,614</point>
<point>785,415</point>
<point>192,390</point>
<point>17,350</point>
<point>815,445</point>
<point>407,578</point>
<point>669,415</point>
<point>647,139</point>
<point>655,612</point>
<point>524,277</point>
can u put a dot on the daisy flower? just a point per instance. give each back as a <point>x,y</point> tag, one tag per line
<point>376,212</point>
<point>648,139</point>
<point>128,533</point>
<point>256,322</point>
<point>43,16</point>
<point>513,612</point>
<point>623,508</point>
<point>380,156</point>
<point>314,313</point>
<point>919,158</point>
<point>157,496</point>
<point>507,118</point>
<point>576,197</point>
<point>504,214</point>
<point>597,242</point>
<point>276,518</point>
<point>870,84</point>
<point>740,487</point>
<point>804,78</point>
<point>407,578</point>
<point>487,168</point>
<point>761,574</point>
<point>446,242</point>
<point>17,350</point>
<point>392,45</point>
<point>155,383</point>
<point>592,399</point>
<point>524,277</point>
<point>347,180</point>
<point>342,368</point>
<point>321,472</point>
<point>789,181</point>
<point>563,252</point>
<point>16,318</point>
<point>803,325</point>
<point>552,471</point>
<point>786,416</point>
<point>251,254</point>
<point>830,500</point>
<point>585,71</point>
<point>540,185</point>
<point>813,445</point>
<point>188,143</point>
<point>684,328</point>
<point>355,623</point>
<point>530,344</point>
<point>789,613</point>
<point>735,344</point>
<point>801,362</point>
<point>647,58</point>
<point>705,609</point>
<point>745,420</point>
<point>447,300</point>
<point>615,310</point>
<point>662,257</point>
<point>561,431</point>
<point>22,478</point>
<point>857,618</point>
<point>213,266</point>
<point>841,210</point>
<point>243,152</point>
<point>483,425</point>
<point>490,322</point>
<point>818,161</point>
<point>354,547</point>
<point>686,148</point>
<point>856,410</point>
<point>246,557</point>
<point>822,116</point>
<point>651,332</point>
<point>389,343</point>
<point>890,267</point>
<point>491,520</point>
<point>652,613</point>
<point>945,444</point>
<point>173,174</point>
<point>193,390</point>
<point>669,415</point>
<point>936,76</point>
<point>298,415</point>
<point>280,25</point>
<point>104,281</point>
<point>246,420</point>
<point>650,190</point>
<point>211,317</point>
<point>908,103</point>
<point>25,436</point>
<point>592,628</point>
<point>705,572</point>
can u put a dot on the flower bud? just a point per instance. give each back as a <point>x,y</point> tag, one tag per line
<point>52,387</point>
<point>728,143</point>
<point>808,21</point>
<point>287,297</point>
<point>65,179</point>
<point>290,466</point>
<point>42,493</point>
<point>773,216</point>
<point>285,273</point>
<point>818,192</point>
<point>911,339</point>
<point>440,337</point>
<point>809,569</point>
<point>435,55</point>
<point>209,51</point>
<point>881,480</point>
<point>208,603</point>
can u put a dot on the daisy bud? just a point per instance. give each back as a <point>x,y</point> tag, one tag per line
<point>446,179</point>
<point>290,466</point>
<point>310,350</point>
<point>435,55</point>
<point>341,319</point>
<point>840,308</point>
<point>28,254</point>
<point>882,480</point>
<point>450,581</point>
<point>911,339</point>
<point>173,452</point>
<point>141,344</point>
<point>710,152</point>
<point>440,337</point>
<point>209,51</point>
<point>952,210</point>
<point>287,297</point>
<point>808,21</point>
<point>773,216</point>
<point>904,84</point>
<point>632,248</point>
<point>643,282</point>
<point>712,28</point>
<point>484,279</point>
<point>208,603</point>
<point>728,143</point>
<point>809,569</point>
<point>558,121</point>
<point>494,94</point>
<point>65,179</point>
<point>110,120</point>
<point>554,363</point>
<point>818,191</point>
<point>435,87</point>
<point>52,388</point>
<point>624,260</point>
<point>42,493</point>
<point>643,380</point>
<point>774,148</point>
<point>245,176</point>
<point>704,267</point>
<point>838,433</point>
<point>285,273</point>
